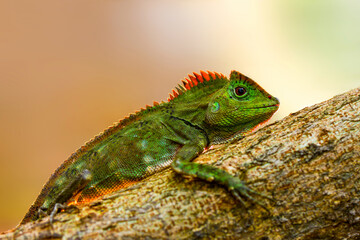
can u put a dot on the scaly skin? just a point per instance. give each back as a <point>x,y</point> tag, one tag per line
<point>209,109</point>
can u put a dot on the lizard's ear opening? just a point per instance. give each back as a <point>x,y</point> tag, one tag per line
<point>214,107</point>
<point>217,111</point>
<point>213,111</point>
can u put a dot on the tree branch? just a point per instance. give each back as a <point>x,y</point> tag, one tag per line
<point>309,163</point>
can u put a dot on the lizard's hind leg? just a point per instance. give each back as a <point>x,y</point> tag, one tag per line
<point>73,188</point>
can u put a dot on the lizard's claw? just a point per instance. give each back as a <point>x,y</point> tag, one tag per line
<point>239,190</point>
<point>55,210</point>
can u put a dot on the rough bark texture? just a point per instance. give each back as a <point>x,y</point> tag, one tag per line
<point>309,162</point>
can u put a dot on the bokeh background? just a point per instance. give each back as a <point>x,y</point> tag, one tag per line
<point>69,69</point>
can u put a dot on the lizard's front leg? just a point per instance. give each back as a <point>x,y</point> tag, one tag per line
<point>182,164</point>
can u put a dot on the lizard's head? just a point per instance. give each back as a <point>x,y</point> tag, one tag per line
<point>241,104</point>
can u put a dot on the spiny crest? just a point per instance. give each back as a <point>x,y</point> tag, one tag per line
<point>193,81</point>
<point>188,83</point>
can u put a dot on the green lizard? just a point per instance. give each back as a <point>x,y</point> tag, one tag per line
<point>208,109</point>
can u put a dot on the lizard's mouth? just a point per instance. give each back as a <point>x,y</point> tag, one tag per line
<point>269,106</point>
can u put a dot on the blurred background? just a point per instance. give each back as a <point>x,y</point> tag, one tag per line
<point>69,69</point>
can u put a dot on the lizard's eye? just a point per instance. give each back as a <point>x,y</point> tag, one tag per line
<point>240,91</point>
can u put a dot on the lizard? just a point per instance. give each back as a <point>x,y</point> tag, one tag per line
<point>206,109</point>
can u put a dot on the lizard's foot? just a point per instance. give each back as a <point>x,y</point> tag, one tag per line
<point>55,210</point>
<point>57,207</point>
<point>239,190</point>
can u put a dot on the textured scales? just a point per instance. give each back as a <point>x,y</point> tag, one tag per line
<point>207,109</point>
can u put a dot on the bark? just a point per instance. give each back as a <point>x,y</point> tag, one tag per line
<point>309,163</point>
